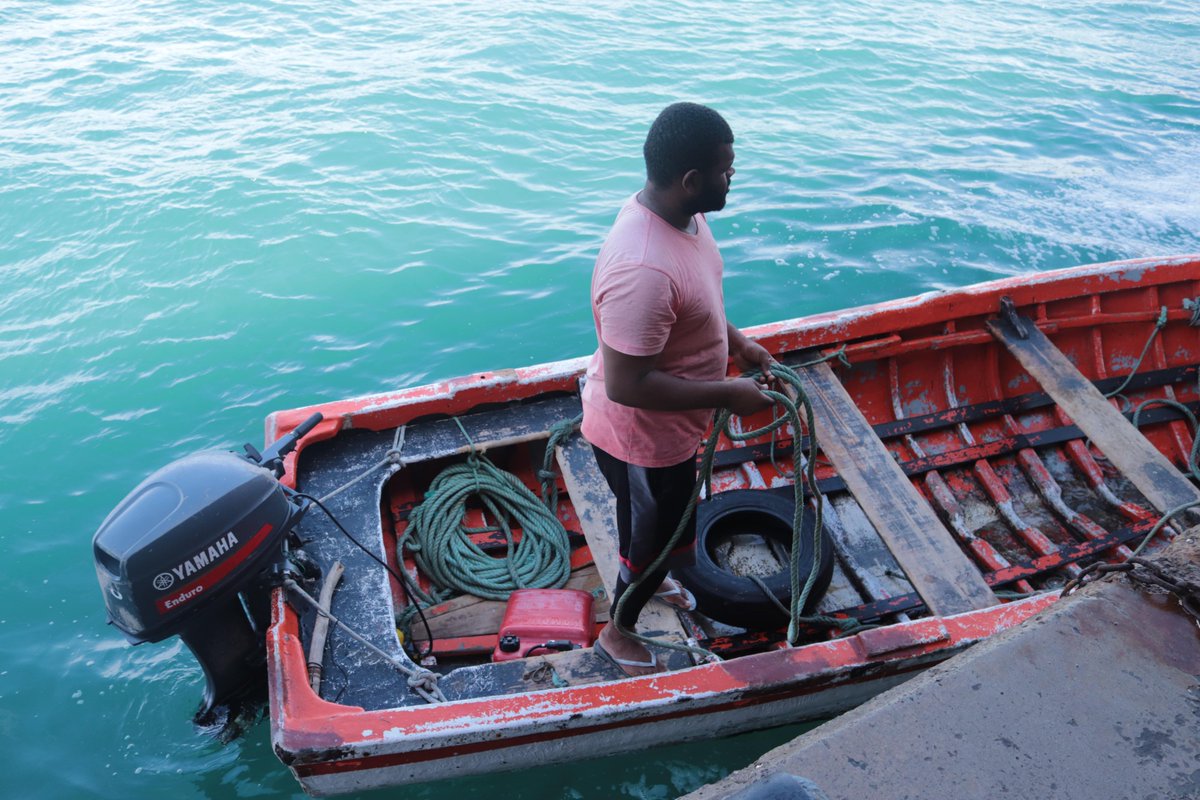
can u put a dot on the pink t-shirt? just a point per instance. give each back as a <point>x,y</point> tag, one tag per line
<point>655,290</point>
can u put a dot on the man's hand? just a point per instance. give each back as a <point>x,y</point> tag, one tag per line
<point>754,356</point>
<point>749,355</point>
<point>745,397</point>
<point>636,381</point>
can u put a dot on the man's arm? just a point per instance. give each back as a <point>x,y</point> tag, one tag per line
<point>636,381</point>
<point>748,354</point>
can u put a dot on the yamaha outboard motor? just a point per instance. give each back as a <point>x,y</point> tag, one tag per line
<point>192,552</point>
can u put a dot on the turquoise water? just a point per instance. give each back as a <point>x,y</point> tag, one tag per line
<point>211,210</point>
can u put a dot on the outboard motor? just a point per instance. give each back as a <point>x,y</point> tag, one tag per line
<point>192,552</point>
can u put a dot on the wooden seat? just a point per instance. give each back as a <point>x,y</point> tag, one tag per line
<point>1139,460</point>
<point>940,572</point>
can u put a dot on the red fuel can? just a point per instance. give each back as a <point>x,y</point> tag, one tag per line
<point>538,621</point>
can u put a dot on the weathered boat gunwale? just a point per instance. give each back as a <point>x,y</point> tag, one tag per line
<point>880,321</point>
<point>325,743</point>
<point>315,737</point>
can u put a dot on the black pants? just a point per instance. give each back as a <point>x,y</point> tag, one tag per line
<point>650,503</point>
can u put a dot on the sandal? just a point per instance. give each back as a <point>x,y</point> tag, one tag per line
<point>625,664</point>
<point>679,597</point>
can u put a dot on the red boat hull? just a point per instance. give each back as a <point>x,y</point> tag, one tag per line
<point>918,356</point>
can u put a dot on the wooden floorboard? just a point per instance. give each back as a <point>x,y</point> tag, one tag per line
<point>467,615</point>
<point>1124,446</point>
<point>863,552</point>
<point>946,580</point>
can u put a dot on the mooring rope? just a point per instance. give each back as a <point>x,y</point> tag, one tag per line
<point>1193,461</point>
<point>393,458</point>
<point>1193,457</point>
<point>1158,326</point>
<point>1192,305</point>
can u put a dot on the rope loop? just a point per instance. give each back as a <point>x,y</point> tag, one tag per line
<point>392,459</point>
<point>424,680</point>
<point>394,455</point>
<point>792,403</point>
<point>421,680</point>
<point>559,433</point>
<point>1193,305</point>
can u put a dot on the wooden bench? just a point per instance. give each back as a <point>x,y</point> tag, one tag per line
<point>488,430</point>
<point>1138,460</point>
<point>940,572</point>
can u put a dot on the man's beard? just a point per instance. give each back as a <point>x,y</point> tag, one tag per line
<point>711,199</point>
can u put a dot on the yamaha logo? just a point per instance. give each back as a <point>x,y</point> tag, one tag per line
<point>164,581</point>
<point>201,560</point>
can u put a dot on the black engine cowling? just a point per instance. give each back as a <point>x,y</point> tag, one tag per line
<point>189,552</point>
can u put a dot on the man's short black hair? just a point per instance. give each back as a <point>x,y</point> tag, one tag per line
<point>685,136</point>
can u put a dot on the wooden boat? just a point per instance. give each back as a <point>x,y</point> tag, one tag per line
<point>969,466</point>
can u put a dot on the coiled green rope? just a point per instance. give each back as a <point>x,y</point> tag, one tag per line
<point>441,544</point>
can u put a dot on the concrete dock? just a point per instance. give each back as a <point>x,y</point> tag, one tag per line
<point>1096,697</point>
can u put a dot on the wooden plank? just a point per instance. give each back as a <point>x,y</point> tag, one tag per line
<point>468,615</point>
<point>1133,454</point>
<point>841,592</point>
<point>937,568</point>
<point>861,549</point>
<point>596,509</point>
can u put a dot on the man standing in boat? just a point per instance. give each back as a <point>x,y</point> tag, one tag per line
<point>660,368</point>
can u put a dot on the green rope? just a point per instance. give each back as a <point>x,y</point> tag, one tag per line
<point>1193,461</point>
<point>1158,526</point>
<point>442,546</point>
<point>847,625</point>
<point>547,475</point>
<point>721,427</point>
<point>1158,326</point>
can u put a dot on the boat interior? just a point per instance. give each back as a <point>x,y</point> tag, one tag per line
<point>961,461</point>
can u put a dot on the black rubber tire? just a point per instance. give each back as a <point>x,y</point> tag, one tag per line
<point>735,600</point>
